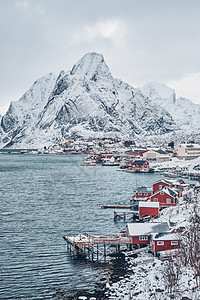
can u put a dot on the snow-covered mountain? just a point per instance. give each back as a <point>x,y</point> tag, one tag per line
<point>83,102</point>
<point>185,113</point>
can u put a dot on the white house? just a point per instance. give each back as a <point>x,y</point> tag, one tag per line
<point>187,151</point>
<point>157,155</point>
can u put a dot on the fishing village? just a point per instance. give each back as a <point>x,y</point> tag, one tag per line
<point>155,218</point>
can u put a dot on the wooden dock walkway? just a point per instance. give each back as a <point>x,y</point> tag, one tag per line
<point>89,245</point>
<point>116,206</point>
<point>123,214</point>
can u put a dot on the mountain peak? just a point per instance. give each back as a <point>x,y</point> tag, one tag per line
<point>158,91</point>
<point>91,65</point>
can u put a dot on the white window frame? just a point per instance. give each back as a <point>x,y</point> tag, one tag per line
<point>155,199</point>
<point>143,237</point>
<point>162,193</point>
<point>168,200</point>
<point>160,243</point>
<point>174,243</point>
<point>160,187</point>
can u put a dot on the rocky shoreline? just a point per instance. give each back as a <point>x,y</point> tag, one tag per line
<point>115,270</point>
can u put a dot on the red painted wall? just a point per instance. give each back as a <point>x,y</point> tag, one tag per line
<point>138,166</point>
<point>143,195</point>
<point>157,184</point>
<point>162,199</point>
<point>167,246</point>
<point>136,240</point>
<point>148,211</point>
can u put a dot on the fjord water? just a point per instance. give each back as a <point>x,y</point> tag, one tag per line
<point>44,197</point>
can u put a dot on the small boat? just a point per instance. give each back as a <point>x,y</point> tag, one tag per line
<point>89,162</point>
<point>110,162</point>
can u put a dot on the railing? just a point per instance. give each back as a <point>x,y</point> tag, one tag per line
<point>111,240</point>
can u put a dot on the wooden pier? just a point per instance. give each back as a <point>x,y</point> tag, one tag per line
<point>123,214</point>
<point>116,206</point>
<point>90,245</point>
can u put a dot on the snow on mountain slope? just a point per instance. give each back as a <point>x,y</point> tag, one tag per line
<point>24,112</point>
<point>184,112</point>
<point>83,102</point>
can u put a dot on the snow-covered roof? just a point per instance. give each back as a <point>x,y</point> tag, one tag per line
<point>190,145</point>
<point>136,229</point>
<point>149,204</point>
<point>167,190</point>
<point>161,151</point>
<point>168,181</point>
<point>144,189</point>
<point>166,236</point>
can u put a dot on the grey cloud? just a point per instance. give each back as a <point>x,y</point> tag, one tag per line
<point>162,41</point>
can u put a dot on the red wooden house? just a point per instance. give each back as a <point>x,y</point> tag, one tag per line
<point>177,185</point>
<point>165,241</point>
<point>148,208</point>
<point>142,193</point>
<point>140,166</point>
<point>166,197</point>
<point>136,152</point>
<point>159,185</point>
<point>140,233</point>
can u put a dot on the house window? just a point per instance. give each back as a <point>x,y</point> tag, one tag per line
<point>160,187</point>
<point>162,193</point>
<point>174,243</point>
<point>139,194</point>
<point>160,243</point>
<point>146,194</point>
<point>155,199</point>
<point>143,238</point>
<point>168,200</point>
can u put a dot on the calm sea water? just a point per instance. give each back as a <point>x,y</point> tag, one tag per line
<point>49,196</point>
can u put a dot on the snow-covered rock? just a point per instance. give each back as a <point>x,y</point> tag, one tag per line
<point>185,113</point>
<point>85,102</point>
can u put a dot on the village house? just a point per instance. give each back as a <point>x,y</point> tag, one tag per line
<point>135,152</point>
<point>165,241</point>
<point>166,197</point>
<point>187,151</point>
<point>142,193</point>
<point>148,208</point>
<point>140,233</point>
<point>140,166</point>
<point>157,155</point>
<point>177,185</point>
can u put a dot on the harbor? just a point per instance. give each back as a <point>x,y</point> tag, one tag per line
<point>63,199</point>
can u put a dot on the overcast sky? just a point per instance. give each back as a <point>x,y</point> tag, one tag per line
<point>141,40</point>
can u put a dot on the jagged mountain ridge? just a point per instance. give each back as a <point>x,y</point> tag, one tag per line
<point>85,102</point>
<point>185,113</point>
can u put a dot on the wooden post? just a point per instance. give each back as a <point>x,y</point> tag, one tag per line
<point>104,250</point>
<point>92,252</point>
<point>74,250</point>
<point>124,215</point>
<point>97,251</point>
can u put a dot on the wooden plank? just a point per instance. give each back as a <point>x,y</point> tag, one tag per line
<point>116,206</point>
<point>129,253</point>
